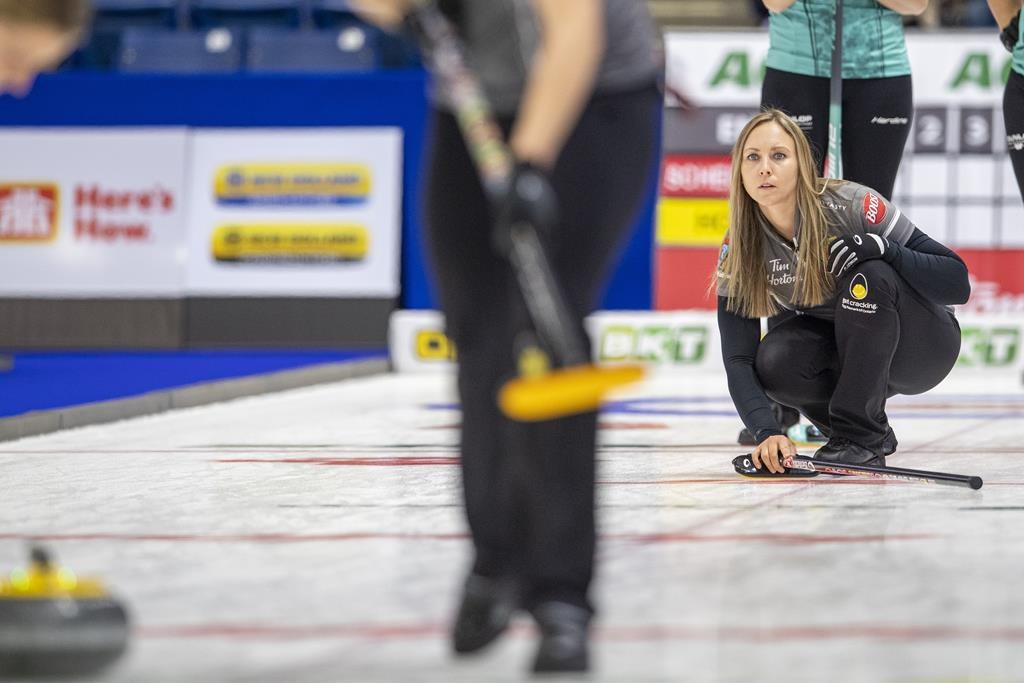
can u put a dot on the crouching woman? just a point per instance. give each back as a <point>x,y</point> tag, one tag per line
<point>867,295</point>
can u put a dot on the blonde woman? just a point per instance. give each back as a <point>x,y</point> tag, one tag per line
<point>36,35</point>
<point>870,293</point>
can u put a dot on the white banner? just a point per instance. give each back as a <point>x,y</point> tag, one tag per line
<point>92,212</point>
<point>417,342</point>
<point>295,212</point>
<point>725,68</point>
<point>683,340</point>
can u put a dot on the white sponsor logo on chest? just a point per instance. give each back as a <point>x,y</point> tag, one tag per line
<point>778,273</point>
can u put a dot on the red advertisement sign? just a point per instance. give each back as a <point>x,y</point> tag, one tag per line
<point>28,212</point>
<point>997,280</point>
<point>682,276</point>
<point>692,175</point>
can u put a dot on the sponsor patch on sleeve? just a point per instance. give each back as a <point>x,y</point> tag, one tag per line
<point>874,208</point>
<point>723,252</point>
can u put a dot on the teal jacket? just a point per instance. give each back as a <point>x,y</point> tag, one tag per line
<point>801,39</point>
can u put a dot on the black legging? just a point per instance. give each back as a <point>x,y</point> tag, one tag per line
<point>840,373</point>
<point>1013,115</point>
<point>529,487</point>
<point>877,113</point>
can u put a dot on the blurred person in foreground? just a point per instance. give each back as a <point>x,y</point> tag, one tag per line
<point>36,35</point>
<point>869,294</point>
<point>574,87</point>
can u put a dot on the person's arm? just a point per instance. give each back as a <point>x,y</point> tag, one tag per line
<point>905,7</point>
<point>388,14</point>
<point>1003,11</point>
<point>561,77</point>
<point>928,266</point>
<point>777,5</point>
<point>931,268</point>
<point>740,338</point>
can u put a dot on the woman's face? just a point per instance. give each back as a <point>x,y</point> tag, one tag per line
<point>769,166</point>
<point>25,50</point>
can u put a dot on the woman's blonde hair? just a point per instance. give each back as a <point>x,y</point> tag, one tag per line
<point>67,16</point>
<point>742,267</point>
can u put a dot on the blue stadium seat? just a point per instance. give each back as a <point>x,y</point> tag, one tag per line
<point>112,17</point>
<point>161,51</point>
<point>332,13</point>
<point>393,50</point>
<point>122,13</point>
<point>274,50</point>
<point>243,14</point>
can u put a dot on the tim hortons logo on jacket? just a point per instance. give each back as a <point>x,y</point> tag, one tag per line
<point>778,273</point>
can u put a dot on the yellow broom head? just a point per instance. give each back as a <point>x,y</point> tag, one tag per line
<point>563,392</point>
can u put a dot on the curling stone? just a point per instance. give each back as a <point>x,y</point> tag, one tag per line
<point>53,623</point>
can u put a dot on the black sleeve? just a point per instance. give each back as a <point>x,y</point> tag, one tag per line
<point>931,268</point>
<point>740,337</point>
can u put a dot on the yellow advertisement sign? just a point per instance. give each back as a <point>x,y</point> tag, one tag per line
<point>290,184</point>
<point>692,222</point>
<point>283,242</point>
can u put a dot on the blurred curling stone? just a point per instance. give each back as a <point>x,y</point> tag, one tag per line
<point>53,623</point>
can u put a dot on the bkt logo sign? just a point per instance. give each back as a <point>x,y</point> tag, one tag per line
<point>989,347</point>
<point>660,344</point>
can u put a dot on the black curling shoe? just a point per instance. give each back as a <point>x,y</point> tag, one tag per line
<point>845,452</point>
<point>485,611</point>
<point>889,443</point>
<point>564,632</point>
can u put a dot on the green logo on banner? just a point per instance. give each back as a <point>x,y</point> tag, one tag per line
<point>736,70</point>
<point>992,347</point>
<point>655,344</point>
<point>977,69</point>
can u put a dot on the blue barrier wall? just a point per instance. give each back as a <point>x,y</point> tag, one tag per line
<point>381,98</point>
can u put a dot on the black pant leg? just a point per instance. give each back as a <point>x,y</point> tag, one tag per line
<point>877,114</point>
<point>601,177</point>
<point>929,344</point>
<point>797,366</point>
<point>867,330</point>
<point>890,340</point>
<point>477,293</point>
<point>805,99</point>
<point>1013,115</point>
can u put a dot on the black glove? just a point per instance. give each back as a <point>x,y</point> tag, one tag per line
<point>529,198</point>
<point>847,251</point>
<point>1011,33</point>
